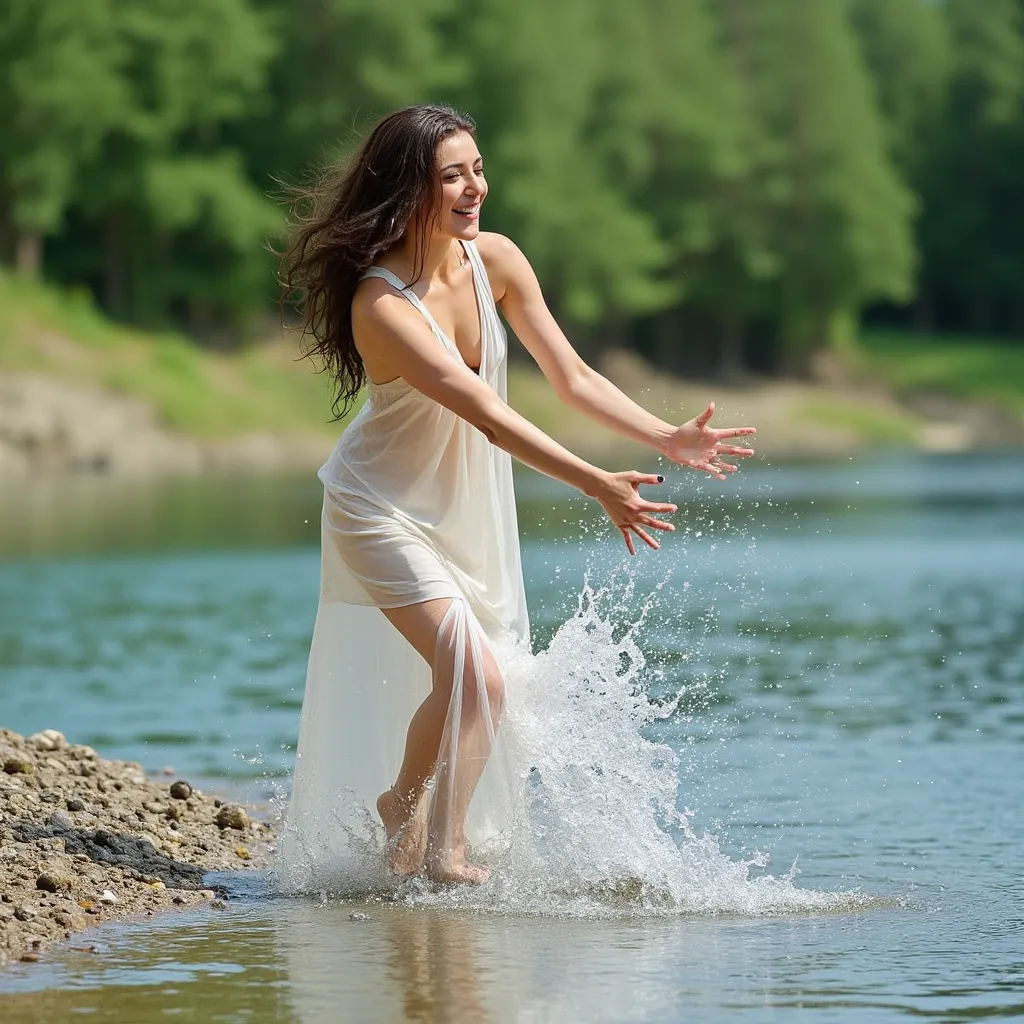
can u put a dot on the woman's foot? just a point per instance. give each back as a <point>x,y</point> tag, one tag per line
<point>453,869</point>
<point>406,830</point>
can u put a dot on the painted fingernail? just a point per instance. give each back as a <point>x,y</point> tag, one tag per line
<point>661,479</point>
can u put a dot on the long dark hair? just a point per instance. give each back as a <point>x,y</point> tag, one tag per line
<point>347,218</point>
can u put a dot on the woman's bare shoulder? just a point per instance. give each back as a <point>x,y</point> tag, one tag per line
<point>501,257</point>
<point>375,301</point>
<point>381,318</point>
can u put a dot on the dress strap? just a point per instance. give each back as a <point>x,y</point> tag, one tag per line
<point>403,289</point>
<point>480,278</point>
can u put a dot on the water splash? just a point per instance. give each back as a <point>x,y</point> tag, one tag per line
<point>598,829</point>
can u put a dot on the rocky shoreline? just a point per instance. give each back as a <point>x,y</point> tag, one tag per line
<point>51,426</point>
<point>85,840</point>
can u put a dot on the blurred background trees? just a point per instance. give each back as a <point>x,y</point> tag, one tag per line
<point>726,186</point>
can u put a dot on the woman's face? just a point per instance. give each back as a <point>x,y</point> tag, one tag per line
<point>460,170</point>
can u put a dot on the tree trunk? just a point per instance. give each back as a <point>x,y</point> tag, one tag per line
<point>6,233</point>
<point>28,254</point>
<point>730,354</point>
<point>115,265</point>
<point>924,312</point>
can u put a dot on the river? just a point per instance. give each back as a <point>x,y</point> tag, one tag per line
<point>835,656</point>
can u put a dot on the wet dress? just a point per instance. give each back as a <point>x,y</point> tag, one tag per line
<point>418,505</point>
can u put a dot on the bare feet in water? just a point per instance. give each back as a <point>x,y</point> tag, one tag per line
<point>405,826</point>
<point>452,868</point>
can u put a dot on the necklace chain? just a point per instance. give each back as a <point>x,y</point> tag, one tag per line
<point>462,258</point>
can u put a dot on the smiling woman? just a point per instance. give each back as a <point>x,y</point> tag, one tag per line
<point>422,616</point>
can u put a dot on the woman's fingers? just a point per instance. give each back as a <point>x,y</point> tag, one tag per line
<point>708,467</point>
<point>703,418</point>
<point>646,478</point>
<point>627,535</point>
<point>655,524</point>
<point>661,507</point>
<point>646,537</point>
<point>720,435</point>
<point>728,449</point>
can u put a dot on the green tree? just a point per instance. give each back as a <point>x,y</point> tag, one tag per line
<point>543,92</point>
<point>973,223</point>
<point>668,127</point>
<point>836,215</point>
<point>59,93</point>
<point>181,224</point>
<point>907,48</point>
<point>341,64</point>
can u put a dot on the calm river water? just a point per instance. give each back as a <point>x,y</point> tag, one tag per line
<point>838,655</point>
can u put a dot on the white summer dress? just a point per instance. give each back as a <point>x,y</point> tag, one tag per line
<point>418,504</point>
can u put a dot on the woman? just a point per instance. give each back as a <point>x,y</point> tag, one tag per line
<point>399,290</point>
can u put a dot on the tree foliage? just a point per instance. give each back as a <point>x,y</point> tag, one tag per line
<point>720,183</point>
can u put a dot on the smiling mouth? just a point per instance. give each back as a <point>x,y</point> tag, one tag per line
<point>468,211</point>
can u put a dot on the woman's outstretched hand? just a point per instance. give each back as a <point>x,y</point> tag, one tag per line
<point>619,495</point>
<point>699,446</point>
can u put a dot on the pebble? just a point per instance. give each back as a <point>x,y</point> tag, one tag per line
<point>233,816</point>
<point>18,765</point>
<point>48,739</point>
<point>51,881</point>
<point>30,958</point>
<point>60,820</point>
<point>75,805</point>
<point>180,790</point>
<point>107,897</point>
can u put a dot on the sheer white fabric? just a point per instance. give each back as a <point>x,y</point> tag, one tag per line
<point>417,505</point>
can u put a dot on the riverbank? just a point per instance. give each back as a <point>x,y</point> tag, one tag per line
<point>52,427</point>
<point>80,394</point>
<point>85,840</point>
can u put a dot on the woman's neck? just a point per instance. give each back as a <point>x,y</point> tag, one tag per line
<point>437,260</point>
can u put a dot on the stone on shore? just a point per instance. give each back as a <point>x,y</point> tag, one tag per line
<point>48,739</point>
<point>233,816</point>
<point>85,840</point>
<point>181,790</point>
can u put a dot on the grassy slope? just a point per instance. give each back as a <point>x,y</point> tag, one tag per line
<point>195,391</point>
<point>266,389</point>
<point>957,365</point>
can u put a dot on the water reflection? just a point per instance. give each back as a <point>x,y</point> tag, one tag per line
<point>435,960</point>
<point>294,962</point>
<point>92,515</point>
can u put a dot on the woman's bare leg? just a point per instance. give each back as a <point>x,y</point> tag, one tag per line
<point>456,652</point>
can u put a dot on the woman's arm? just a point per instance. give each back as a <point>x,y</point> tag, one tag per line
<point>400,338</point>
<point>578,385</point>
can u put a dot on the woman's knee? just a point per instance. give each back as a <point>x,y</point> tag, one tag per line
<point>484,688</point>
<point>494,686</point>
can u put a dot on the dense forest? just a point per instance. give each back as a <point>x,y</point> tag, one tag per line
<point>725,185</point>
